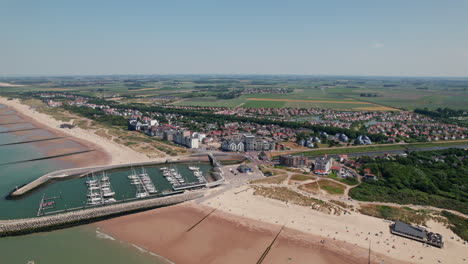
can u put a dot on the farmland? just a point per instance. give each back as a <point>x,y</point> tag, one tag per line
<point>341,93</point>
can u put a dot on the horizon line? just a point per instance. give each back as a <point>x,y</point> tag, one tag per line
<point>225,74</point>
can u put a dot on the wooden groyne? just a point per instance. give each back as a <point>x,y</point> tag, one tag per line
<point>14,123</point>
<point>19,130</point>
<point>31,141</point>
<point>74,218</point>
<point>49,157</point>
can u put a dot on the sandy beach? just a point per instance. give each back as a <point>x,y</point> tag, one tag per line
<point>118,153</point>
<point>226,238</point>
<point>244,224</point>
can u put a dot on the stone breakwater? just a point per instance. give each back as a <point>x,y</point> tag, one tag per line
<point>68,219</point>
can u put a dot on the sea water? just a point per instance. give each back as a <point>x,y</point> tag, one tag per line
<point>84,244</point>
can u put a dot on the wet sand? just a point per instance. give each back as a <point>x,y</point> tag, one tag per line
<point>226,238</point>
<point>57,146</point>
<point>114,152</point>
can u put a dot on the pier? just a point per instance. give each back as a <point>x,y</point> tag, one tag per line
<point>79,217</point>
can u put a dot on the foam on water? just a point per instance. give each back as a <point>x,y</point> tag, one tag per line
<point>102,235</point>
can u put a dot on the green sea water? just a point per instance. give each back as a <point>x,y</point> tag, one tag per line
<point>78,245</point>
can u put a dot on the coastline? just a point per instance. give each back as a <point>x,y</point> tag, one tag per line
<point>109,151</point>
<point>244,224</point>
<point>243,219</point>
<point>227,238</point>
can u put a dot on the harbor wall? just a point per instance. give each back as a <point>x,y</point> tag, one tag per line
<point>74,218</point>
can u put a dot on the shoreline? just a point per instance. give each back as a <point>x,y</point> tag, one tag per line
<point>240,213</point>
<point>227,238</point>
<point>68,144</point>
<point>117,153</point>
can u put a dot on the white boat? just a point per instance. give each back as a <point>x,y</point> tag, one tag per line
<point>193,168</point>
<point>141,195</point>
<point>108,194</point>
<point>110,200</point>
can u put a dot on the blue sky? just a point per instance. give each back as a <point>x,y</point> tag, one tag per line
<point>394,38</point>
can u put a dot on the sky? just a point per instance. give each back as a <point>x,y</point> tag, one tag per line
<point>359,37</point>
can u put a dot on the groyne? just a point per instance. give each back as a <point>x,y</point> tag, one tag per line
<point>14,123</point>
<point>74,218</point>
<point>49,157</point>
<point>19,130</point>
<point>31,141</point>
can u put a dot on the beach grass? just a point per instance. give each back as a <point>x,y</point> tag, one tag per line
<point>271,180</point>
<point>302,177</point>
<point>331,187</point>
<point>405,214</point>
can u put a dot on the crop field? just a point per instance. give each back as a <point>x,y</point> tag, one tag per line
<point>264,104</point>
<point>342,93</point>
<point>211,102</point>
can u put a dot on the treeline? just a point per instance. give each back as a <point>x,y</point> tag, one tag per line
<point>436,178</point>
<point>369,95</point>
<point>97,115</point>
<point>441,112</point>
<point>215,81</point>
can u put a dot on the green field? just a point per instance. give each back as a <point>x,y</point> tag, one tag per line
<point>225,91</point>
<point>263,104</point>
<point>211,102</point>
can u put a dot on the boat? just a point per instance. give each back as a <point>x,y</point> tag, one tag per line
<point>110,200</point>
<point>141,195</point>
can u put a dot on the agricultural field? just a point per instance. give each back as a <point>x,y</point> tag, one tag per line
<point>342,93</point>
<point>263,104</point>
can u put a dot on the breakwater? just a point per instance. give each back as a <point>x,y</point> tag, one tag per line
<point>79,217</point>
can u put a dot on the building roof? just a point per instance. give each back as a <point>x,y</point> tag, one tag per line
<point>404,228</point>
<point>334,167</point>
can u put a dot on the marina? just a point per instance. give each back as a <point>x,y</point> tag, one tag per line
<point>137,184</point>
<point>100,191</point>
<point>143,183</point>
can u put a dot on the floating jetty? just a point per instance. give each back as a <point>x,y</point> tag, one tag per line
<point>143,183</point>
<point>79,217</point>
<point>100,191</point>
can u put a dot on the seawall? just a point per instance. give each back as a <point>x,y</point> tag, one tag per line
<point>74,218</point>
